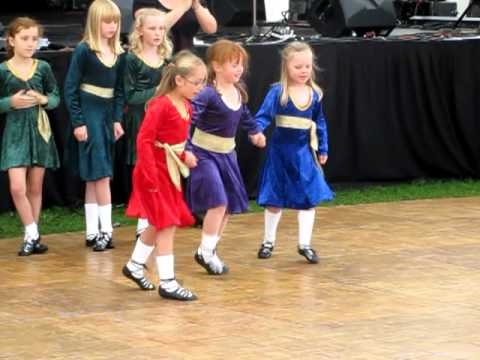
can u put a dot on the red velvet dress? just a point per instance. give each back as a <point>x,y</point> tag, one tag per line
<point>154,195</point>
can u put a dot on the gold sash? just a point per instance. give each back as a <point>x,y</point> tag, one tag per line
<point>43,124</point>
<point>106,93</point>
<point>296,122</point>
<point>212,142</point>
<point>175,166</point>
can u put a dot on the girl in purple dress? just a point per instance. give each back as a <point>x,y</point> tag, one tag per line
<point>216,186</point>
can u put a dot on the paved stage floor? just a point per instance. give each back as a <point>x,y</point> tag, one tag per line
<point>396,281</point>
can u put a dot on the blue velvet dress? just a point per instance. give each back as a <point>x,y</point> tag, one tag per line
<point>217,180</point>
<point>93,158</point>
<point>291,177</point>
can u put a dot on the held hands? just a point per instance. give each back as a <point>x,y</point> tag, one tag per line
<point>40,98</point>
<point>258,140</point>
<point>117,130</point>
<point>322,159</point>
<point>81,133</point>
<point>23,101</point>
<point>190,159</point>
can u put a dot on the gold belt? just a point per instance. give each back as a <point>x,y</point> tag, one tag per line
<point>212,142</point>
<point>296,122</point>
<point>175,166</point>
<point>106,93</point>
<point>43,124</point>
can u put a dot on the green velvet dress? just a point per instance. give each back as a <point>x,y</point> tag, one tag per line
<point>93,159</point>
<point>22,143</point>
<point>140,82</point>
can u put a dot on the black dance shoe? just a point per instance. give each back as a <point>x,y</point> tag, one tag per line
<point>103,242</point>
<point>89,242</point>
<point>309,254</point>
<point>265,251</point>
<point>141,281</point>
<point>214,267</point>
<point>176,293</point>
<point>39,248</point>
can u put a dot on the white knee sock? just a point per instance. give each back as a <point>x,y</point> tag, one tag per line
<point>31,232</point>
<point>142,224</point>
<point>141,252</point>
<point>91,219</point>
<point>105,215</point>
<point>271,223</point>
<point>166,267</point>
<point>306,218</point>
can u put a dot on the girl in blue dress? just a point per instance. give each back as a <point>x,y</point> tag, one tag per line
<point>292,175</point>
<point>94,99</point>
<point>27,88</point>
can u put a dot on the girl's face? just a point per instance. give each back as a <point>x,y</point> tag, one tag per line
<point>153,31</point>
<point>231,71</point>
<point>190,85</point>
<point>25,42</point>
<point>108,29</point>
<point>300,67</point>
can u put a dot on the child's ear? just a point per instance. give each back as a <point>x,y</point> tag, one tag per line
<point>10,41</point>
<point>216,66</point>
<point>179,80</point>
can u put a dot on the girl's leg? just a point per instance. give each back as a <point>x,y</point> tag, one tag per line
<point>272,218</point>
<point>306,219</point>
<point>142,225</point>
<point>91,214</point>
<point>135,266</point>
<point>103,195</point>
<point>206,256</point>
<point>35,177</point>
<point>169,287</point>
<point>18,190</point>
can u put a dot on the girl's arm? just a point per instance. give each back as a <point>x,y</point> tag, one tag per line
<point>133,95</point>
<point>206,20</point>
<point>72,85</point>
<point>5,101</point>
<point>319,118</point>
<point>175,14</point>
<point>50,88</point>
<point>199,106</point>
<point>118,93</point>
<point>268,110</point>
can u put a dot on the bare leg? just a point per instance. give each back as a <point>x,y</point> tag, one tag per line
<point>18,190</point>
<point>35,177</point>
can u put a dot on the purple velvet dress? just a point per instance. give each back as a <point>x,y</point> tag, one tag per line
<point>216,180</point>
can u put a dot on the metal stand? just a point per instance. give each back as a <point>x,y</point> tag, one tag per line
<point>255,30</point>
<point>469,7</point>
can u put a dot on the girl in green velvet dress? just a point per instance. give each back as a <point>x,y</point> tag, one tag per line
<point>149,49</point>
<point>94,99</point>
<point>27,88</point>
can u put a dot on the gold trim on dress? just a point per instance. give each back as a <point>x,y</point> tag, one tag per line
<point>212,142</point>
<point>175,166</point>
<point>149,64</point>
<point>296,122</point>
<point>43,124</point>
<point>106,93</point>
<point>304,107</point>
<point>30,74</point>
<point>109,65</point>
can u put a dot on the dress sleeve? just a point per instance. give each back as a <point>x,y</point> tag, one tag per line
<point>199,106</point>
<point>146,145</point>
<point>268,110</point>
<point>319,118</point>
<point>133,95</point>
<point>5,99</point>
<point>118,93</point>
<point>247,121</point>
<point>50,88</point>
<point>72,84</point>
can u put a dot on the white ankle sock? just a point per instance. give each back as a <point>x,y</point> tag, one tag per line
<point>306,219</point>
<point>91,219</point>
<point>140,254</point>
<point>166,267</point>
<point>105,215</point>
<point>271,223</point>
<point>31,232</point>
<point>142,224</point>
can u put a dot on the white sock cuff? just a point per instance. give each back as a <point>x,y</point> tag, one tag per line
<point>105,215</point>
<point>91,218</point>
<point>209,241</point>
<point>141,252</point>
<point>271,223</point>
<point>166,266</point>
<point>142,224</point>
<point>32,231</point>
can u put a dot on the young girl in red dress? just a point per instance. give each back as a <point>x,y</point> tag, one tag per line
<point>161,159</point>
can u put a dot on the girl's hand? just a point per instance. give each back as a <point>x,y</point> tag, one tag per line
<point>22,101</point>
<point>117,130</point>
<point>40,98</point>
<point>322,159</point>
<point>258,140</point>
<point>190,159</point>
<point>81,133</point>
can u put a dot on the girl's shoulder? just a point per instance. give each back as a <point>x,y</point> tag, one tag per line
<point>43,65</point>
<point>159,102</point>
<point>82,47</point>
<point>3,66</point>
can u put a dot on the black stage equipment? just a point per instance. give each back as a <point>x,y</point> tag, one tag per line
<point>337,18</point>
<point>467,11</point>
<point>236,12</point>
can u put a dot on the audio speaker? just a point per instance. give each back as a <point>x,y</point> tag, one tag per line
<point>237,12</point>
<point>337,18</point>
